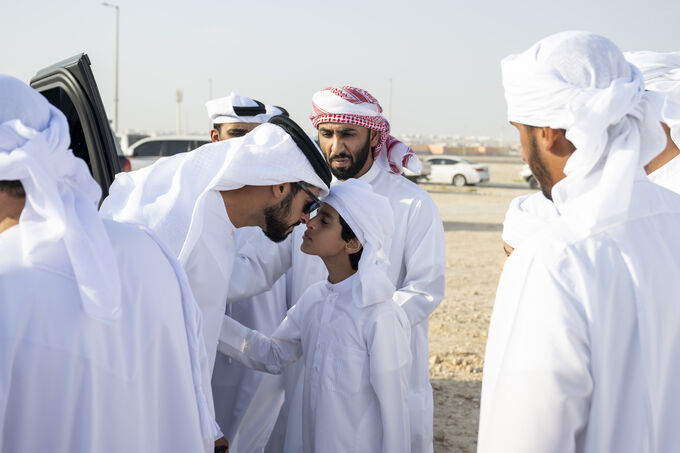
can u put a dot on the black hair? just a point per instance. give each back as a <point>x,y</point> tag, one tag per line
<point>217,126</point>
<point>347,235</point>
<point>295,188</point>
<point>308,148</point>
<point>12,188</point>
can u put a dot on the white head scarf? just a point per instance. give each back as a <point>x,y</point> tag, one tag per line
<point>240,109</point>
<point>352,105</point>
<point>169,195</point>
<point>581,82</point>
<point>526,216</point>
<point>370,217</point>
<point>661,72</point>
<point>61,197</point>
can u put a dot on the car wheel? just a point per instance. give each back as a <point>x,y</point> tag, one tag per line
<point>459,180</point>
<point>533,184</point>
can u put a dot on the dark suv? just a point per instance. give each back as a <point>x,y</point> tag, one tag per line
<point>70,86</point>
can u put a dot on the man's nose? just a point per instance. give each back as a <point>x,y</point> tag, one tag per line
<point>311,224</point>
<point>335,144</point>
<point>305,218</point>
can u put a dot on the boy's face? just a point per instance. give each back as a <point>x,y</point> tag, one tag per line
<point>323,236</point>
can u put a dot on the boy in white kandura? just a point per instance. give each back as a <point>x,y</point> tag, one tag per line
<point>354,338</point>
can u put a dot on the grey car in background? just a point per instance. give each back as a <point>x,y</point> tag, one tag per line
<point>146,151</point>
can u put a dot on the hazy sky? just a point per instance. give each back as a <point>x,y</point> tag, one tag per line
<point>442,56</point>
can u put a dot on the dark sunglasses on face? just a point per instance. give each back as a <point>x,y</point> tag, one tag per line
<point>314,204</point>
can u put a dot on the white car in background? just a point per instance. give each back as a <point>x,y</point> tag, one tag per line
<point>528,177</point>
<point>457,171</point>
<point>128,139</point>
<point>146,151</point>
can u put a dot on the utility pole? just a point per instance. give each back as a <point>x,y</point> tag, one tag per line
<point>210,96</point>
<point>115,95</point>
<point>389,112</point>
<point>178,97</point>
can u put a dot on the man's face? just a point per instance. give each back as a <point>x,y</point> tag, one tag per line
<point>347,148</point>
<point>12,202</point>
<point>231,130</point>
<point>531,154</point>
<point>666,155</point>
<point>289,213</point>
<point>324,234</point>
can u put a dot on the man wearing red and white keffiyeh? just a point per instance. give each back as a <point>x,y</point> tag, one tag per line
<point>350,105</point>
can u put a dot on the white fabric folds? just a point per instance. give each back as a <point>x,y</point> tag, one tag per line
<point>61,196</point>
<point>169,196</point>
<point>661,71</point>
<point>239,109</point>
<point>526,216</point>
<point>580,82</point>
<point>370,217</point>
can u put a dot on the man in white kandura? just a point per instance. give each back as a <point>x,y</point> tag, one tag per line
<point>101,345</point>
<point>661,72</point>
<point>581,354</point>
<point>354,136</point>
<point>527,214</point>
<point>247,402</point>
<point>353,336</point>
<point>194,201</point>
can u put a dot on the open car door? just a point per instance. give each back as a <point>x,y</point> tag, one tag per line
<point>70,86</point>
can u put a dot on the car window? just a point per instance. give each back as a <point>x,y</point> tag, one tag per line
<point>152,148</point>
<point>435,161</point>
<point>173,147</point>
<point>70,86</point>
<point>134,138</point>
<point>449,162</point>
<point>199,143</point>
<point>60,99</point>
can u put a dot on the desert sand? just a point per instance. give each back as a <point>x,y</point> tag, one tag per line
<point>473,218</point>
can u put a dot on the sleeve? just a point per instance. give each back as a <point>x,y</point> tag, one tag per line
<point>389,353</point>
<point>258,264</point>
<point>259,352</point>
<point>425,263</point>
<point>537,396</point>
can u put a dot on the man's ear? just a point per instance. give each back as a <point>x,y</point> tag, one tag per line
<point>555,141</point>
<point>375,137</point>
<point>214,135</point>
<point>279,191</point>
<point>352,246</point>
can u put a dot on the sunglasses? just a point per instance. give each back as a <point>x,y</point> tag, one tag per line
<point>314,204</point>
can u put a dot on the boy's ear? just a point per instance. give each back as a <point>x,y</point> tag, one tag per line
<point>352,246</point>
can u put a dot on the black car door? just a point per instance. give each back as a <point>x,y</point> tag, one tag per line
<point>70,86</point>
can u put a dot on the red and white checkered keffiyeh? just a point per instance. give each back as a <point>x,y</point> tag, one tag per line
<point>356,106</point>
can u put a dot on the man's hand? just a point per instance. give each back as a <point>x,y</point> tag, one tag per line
<point>221,445</point>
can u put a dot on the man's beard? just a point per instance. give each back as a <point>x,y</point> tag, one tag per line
<point>274,218</point>
<point>538,168</point>
<point>355,165</point>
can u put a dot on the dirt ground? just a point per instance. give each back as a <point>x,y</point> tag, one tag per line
<point>473,218</point>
